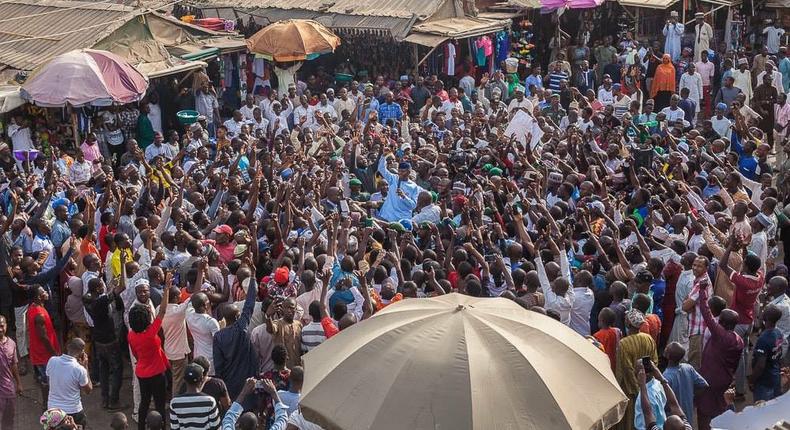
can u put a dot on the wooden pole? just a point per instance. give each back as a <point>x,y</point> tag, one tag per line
<point>74,128</point>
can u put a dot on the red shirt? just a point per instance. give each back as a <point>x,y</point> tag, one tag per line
<point>652,326</point>
<point>103,247</point>
<point>330,329</point>
<point>747,287</point>
<point>147,348</point>
<point>39,354</point>
<point>609,338</point>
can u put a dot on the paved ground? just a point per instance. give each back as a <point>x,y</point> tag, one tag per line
<point>29,406</point>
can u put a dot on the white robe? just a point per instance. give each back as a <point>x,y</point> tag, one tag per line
<point>694,84</point>
<point>703,34</point>
<point>673,34</point>
<point>743,80</point>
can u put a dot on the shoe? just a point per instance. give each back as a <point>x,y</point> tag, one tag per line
<point>23,368</point>
<point>104,404</point>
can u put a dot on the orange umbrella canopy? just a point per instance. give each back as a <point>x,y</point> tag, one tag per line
<point>293,40</point>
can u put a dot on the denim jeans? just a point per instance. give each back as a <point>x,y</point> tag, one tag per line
<point>108,356</point>
<point>763,392</point>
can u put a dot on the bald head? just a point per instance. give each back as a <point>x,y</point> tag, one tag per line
<point>247,421</point>
<point>199,302</point>
<point>728,319</point>
<point>75,347</point>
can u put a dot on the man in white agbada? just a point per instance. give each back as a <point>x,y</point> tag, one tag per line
<point>703,34</point>
<point>693,81</point>
<point>743,79</point>
<point>673,32</point>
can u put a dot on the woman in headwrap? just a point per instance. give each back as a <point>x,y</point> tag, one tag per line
<point>57,419</point>
<point>663,85</point>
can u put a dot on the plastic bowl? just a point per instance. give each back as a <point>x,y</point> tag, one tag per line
<point>187,117</point>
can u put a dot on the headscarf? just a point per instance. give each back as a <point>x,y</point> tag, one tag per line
<point>664,79</point>
<point>52,418</point>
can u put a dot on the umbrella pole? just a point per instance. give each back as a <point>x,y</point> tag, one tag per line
<point>74,128</point>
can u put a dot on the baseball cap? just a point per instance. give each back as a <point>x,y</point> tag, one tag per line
<point>223,229</point>
<point>281,275</point>
<point>193,373</point>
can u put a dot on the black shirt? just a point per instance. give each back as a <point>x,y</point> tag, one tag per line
<point>103,330</point>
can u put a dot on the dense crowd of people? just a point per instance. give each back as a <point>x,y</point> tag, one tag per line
<point>637,196</point>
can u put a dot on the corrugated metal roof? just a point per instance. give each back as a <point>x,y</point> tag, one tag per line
<point>50,28</point>
<point>391,8</point>
<point>649,4</point>
<point>461,27</point>
<point>340,23</point>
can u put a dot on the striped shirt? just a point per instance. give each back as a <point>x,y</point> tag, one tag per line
<point>312,336</point>
<point>555,78</point>
<point>696,322</point>
<point>194,411</point>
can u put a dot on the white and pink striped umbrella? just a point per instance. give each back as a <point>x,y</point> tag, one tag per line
<point>85,77</point>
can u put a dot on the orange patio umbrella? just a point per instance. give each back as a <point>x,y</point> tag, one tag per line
<point>293,40</point>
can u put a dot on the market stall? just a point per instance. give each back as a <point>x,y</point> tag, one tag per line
<point>86,77</point>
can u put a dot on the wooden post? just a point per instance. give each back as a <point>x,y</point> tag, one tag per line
<point>74,128</point>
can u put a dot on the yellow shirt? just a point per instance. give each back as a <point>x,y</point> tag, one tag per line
<point>115,260</point>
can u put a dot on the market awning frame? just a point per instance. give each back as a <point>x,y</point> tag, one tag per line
<point>425,39</point>
<point>648,4</point>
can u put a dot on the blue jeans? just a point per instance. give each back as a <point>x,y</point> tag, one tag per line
<point>108,357</point>
<point>762,392</point>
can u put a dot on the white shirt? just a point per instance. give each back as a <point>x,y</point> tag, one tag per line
<point>348,105</point>
<point>772,38</point>
<point>561,304</point>
<point>155,116</point>
<point>783,303</point>
<point>694,84</point>
<point>263,126</point>
<point>234,127</point>
<point>44,244</point>
<point>721,126</point>
<point>448,106</point>
<point>80,172</point>
<point>583,300</point>
<point>247,111</point>
<point>20,138</point>
<point>66,377</point>
<point>203,327</point>
<point>175,330</point>
<point>205,104</point>
<point>166,149</point>
<point>430,213</point>
<point>304,112</point>
<point>328,108</point>
<point>776,80</point>
<point>605,96</point>
<point>673,115</point>
<point>525,103</point>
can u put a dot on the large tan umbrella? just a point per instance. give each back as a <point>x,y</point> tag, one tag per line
<point>293,40</point>
<point>459,363</point>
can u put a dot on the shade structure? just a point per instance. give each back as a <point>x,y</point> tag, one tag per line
<point>85,77</point>
<point>293,40</point>
<point>461,363</point>
<point>570,4</point>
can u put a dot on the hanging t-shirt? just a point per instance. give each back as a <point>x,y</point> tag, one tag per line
<point>450,58</point>
<point>503,46</point>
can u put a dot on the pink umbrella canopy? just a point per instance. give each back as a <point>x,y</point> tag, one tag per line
<point>85,77</point>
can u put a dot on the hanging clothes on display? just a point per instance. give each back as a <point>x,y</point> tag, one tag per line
<point>502,46</point>
<point>260,72</point>
<point>449,55</point>
<point>483,49</point>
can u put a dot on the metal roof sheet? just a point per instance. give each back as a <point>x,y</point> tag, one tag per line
<point>340,23</point>
<point>649,4</point>
<point>390,8</point>
<point>32,32</point>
